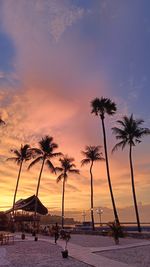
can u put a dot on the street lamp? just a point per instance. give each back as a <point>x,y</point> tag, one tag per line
<point>100,212</point>
<point>83,215</point>
<point>12,223</point>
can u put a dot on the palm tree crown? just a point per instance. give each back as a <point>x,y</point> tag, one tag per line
<point>45,152</point>
<point>91,154</point>
<point>67,166</point>
<point>24,154</point>
<point>103,106</point>
<point>130,132</point>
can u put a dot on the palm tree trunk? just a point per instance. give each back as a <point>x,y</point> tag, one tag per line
<point>92,206</point>
<point>133,189</point>
<point>108,173</point>
<point>63,199</point>
<point>14,200</point>
<point>38,186</point>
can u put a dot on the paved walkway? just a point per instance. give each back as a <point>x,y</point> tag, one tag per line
<point>3,261</point>
<point>87,255</point>
<point>84,254</point>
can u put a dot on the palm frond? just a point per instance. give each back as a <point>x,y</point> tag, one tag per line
<point>110,107</point>
<point>2,122</point>
<point>54,146</point>
<point>122,123</point>
<point>138,121</point>
<point>85,162</point>
<point>60,177</point>
<point>57,154</point>
<point>74,171</point>
<point>121,144</point>
<point>100,159</point>
<point>95,103</point>
<point>50,166</point>
<point>34,162</point>
<point>102,106</point>
<point>16,152</point>
<point>91,153</point>
<point>145,131</point>
<point>36,151</point>
<point>72,166</point>
<point>58,169</point>
<point>15,159</point>
<point>25,152</point>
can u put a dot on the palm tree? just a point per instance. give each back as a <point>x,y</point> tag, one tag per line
<point>100,107</point>
<point>92,154</point>
<point>44,153</point>
<point>22,155</point>
<point>130,133</point>
<point>67,166</point>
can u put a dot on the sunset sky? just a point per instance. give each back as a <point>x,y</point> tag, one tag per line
<point>55,57</point>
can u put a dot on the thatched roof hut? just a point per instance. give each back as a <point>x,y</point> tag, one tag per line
<point>28,204</point>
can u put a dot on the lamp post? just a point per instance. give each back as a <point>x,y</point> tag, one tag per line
<point>83,215</point>
<point>12,223</point>
<point>100,212</point>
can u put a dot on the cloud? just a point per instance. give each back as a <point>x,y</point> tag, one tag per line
<point>2,75</point>
<point>53,17</point>
<point>61,17</point>
<point>55,77</point>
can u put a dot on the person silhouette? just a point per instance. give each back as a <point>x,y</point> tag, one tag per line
<point>56,232</point>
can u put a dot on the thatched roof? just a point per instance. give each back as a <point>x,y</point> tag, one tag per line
<point>28,204</point>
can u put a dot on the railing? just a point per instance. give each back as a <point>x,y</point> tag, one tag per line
<point>30,218</point>
<point>6,238</point>
<point>129,226</point>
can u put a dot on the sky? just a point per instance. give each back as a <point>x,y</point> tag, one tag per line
<point>55,57</point>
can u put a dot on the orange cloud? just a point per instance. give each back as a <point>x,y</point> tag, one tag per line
<point>53,97</point>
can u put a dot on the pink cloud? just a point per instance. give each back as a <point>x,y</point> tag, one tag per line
<point>54,98</point>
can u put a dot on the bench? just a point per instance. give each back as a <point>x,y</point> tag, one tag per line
<point>6,239</point>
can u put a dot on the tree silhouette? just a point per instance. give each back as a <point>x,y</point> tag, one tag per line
<point>21,155</point>
<point>91,154</point>
<point>100,107</point>
<point>130,133</point>
<point>45,153</point>
<point>67,167</point>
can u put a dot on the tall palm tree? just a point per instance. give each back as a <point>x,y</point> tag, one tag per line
<point>44,154</point>
<point>130,133</point>
<point>91,154</point>
<point>21,155</point>
<point>100,107</point>
<point>67,166</point>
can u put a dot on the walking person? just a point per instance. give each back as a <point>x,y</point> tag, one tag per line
<point>56,232</point>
